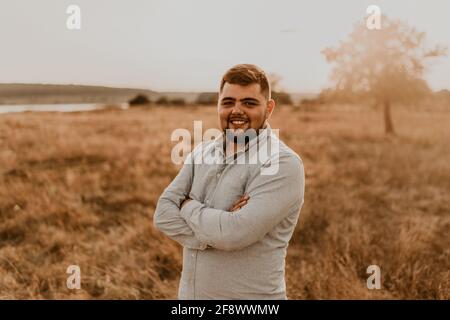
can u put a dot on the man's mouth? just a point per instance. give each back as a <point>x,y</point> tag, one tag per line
<point>238,122</point>
<point>238,130</point>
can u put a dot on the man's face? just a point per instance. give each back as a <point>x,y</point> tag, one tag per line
<point>243,107</point>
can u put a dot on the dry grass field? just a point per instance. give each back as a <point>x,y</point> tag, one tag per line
<point>81,189</point>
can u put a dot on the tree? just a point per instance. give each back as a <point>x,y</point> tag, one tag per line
<point>282,98</point>
<point>278,94</point>
<point>140,99</point>
<point>207,98</point>
<point>178,102</point>
<point>162,101</point>
<point>386,65</point>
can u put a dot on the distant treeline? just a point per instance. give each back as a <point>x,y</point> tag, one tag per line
<point>203,99</point>
<point>330,96</point>
<point>59,94</point>
<point>49,93</point>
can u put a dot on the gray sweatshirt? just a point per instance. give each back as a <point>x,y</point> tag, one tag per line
<point>241,254</point>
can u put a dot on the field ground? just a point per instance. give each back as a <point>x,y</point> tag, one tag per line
<point>81,189</point>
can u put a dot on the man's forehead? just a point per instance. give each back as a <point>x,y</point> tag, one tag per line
<point>238,91</point>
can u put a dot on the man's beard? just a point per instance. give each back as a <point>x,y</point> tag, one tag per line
<point>240,137</point>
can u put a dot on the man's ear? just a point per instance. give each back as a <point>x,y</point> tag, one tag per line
<point>270,107</point>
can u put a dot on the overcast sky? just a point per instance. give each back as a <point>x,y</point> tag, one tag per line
<point>187,45</point>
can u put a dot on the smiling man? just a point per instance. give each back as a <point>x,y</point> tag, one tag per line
<point>234,216</point>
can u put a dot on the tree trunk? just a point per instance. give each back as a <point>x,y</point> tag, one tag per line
<point>388,126</point>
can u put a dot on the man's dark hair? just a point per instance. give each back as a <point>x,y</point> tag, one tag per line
<point>246,74</point>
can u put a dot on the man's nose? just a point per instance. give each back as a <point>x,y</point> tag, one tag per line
<point>237,108</point>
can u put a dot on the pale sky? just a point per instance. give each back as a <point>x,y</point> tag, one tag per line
<point>187,45</point>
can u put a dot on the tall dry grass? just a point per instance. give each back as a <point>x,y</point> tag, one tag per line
<point>81,189</point>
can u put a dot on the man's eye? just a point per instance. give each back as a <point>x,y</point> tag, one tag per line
<point>250,103</point>
<point>227,103</point>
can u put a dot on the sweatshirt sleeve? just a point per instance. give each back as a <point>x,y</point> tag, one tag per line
<point>167,213</point>
<point>272,198</point>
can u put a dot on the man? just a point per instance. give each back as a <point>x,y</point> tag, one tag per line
<point>235,218</point>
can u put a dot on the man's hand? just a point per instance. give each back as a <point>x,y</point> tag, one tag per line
<point>242,201</point>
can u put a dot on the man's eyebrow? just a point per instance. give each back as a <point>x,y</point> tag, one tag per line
<point>247,99</point>
<point>228,98</point>
<point>250,99</point>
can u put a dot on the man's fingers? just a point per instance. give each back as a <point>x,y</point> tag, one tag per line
<point>245,197</point>
<point>240,202</point>
<point>239,205</point>
<point>236,209</point>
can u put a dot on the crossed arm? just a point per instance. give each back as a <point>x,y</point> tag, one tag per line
<point>167,216</point>
<point>167,213</point>
<point>270,199</point>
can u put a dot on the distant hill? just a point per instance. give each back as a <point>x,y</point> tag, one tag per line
<point>188,97</point>
<point>49,93</point>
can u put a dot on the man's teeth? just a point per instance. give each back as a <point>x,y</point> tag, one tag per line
<point>238,121</point>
